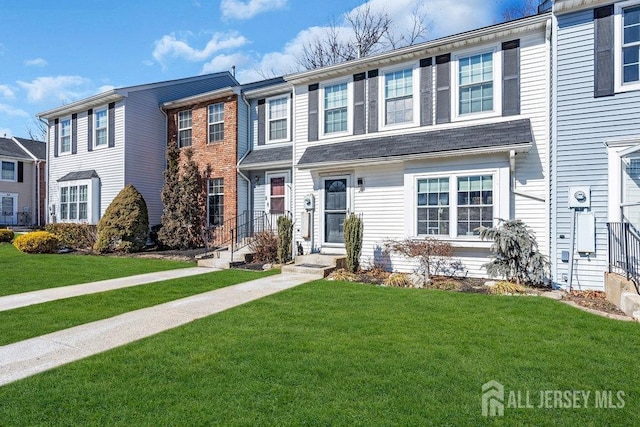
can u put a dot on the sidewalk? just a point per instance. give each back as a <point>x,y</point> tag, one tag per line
<point>10,302</point>
<point>35,355</point>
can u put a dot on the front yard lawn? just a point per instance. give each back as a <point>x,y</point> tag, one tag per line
<point>35,320</point>
<point>336,353</point>
<point>29,272</point>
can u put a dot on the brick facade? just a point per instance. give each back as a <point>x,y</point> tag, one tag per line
<point>220,158</point>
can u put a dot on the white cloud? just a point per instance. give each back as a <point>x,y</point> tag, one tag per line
<point>105,88</point>
<point>36,62</point>
<point>169,46</point>
<point>225,62</point>
<point>61,88</point>
<point>8,110</point>
<point>7,92</point>
<point>238,9</point>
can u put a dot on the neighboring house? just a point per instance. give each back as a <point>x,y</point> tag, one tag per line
<point>212,124</point>
<point>22,182</point>
<point>595,138</point>
<point>435,139</point>
<point>98,145</point>
<point>266,160</point>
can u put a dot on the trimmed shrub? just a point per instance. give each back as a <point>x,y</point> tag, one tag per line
<point>37,242</point>
<point>353,241</point>
<point>264,246</point>
<point>285,237</point>
<point>6,235</point>
<point>125,224</point>
<point>77,236</point>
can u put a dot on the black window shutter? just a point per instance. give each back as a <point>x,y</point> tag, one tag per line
<point>56,137</point>
<point>426,92</point>
<point>511,78</point>
<point>372,76</point>
<point>313,112</point>
<point>20,171</point>
<point>74,133</point>
<point>443,89</point>
<point>358,104</point>
<point>261,121</point>
<point>603,51</point>
<point>112,124</point>
<point>90,130</point>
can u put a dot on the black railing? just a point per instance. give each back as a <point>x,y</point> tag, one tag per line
<point>624,251</point>
<point>236,233</point>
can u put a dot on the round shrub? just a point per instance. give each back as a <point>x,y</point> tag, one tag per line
<point>6,235</point>
<point>77,236</point>
<point>125,224</point>
<point>38,242</point>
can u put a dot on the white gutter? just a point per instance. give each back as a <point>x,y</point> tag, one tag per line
<point>46,177</point>
<point>245,154</point>
<point>514,190</point>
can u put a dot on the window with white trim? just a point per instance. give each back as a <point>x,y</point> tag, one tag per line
<point>9,171</point>
<point>335,107</point>
<point>630,43</point>
<point>215,202</point>
<point>74,201</point>
<point>101,124</point>
<point>454,205</point>
<point>65,135</point>
<point>398,97</point>
<point>184,128</point>
<point>475,83</point>
<point>278,119</point>
<point>216,122</point>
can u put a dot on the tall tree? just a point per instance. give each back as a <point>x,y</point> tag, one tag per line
<point>191,202</point>
<point>170,233</point>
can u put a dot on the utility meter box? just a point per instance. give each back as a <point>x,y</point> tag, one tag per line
<point>580,197</point>
<point>309,202</point>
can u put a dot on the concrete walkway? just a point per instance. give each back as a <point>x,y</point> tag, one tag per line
<point>10,302</point>
<point>35,355</point>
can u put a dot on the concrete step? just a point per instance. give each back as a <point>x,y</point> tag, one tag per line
<point>318,265</point>
<point>223,258</point>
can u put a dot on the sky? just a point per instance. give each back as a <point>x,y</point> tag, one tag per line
<point>56,52</point>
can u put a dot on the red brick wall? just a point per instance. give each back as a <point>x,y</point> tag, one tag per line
<point>220,157</point>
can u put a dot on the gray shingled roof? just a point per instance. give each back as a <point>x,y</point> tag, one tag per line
<point>8,148</point>
<point>37,148</point>
<point>264,156</point>
<point>446,140</point>
<point>75,176</point>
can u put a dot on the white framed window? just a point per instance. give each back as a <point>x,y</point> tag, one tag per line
<point>215,201</point>
<point>184,128</point>
<point>216,122</point>
<point>453,205</point>
<point>336,99</point>
<point>74,203</point>
<point>400,102</point>
<point>101,126</point>
<point>9,170</point>
<point>627,46</point>
<point>477,89</point>
<point>65,135</point>
<point>278,119</point>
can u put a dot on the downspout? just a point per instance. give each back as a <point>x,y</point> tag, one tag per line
<point>514,190</point>
<point>245,154</point>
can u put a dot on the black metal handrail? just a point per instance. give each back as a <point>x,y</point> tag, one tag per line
<point>236,233</point>
<point>624,251</point>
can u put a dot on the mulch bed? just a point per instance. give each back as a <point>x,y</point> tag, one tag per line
<point>595,300</point>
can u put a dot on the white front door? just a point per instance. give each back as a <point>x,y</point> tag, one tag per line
<point>8,209</point>
<point>277,193</point>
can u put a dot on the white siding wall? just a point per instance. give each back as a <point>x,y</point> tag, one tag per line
<point>386,202</point>
<point>108,162</point>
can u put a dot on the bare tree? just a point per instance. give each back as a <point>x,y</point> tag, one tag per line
<point>520,10</point>
<point>366,33</point>
<point>37,132</point>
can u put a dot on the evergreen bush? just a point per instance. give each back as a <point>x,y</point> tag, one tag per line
<point>6,235</point>
<point>285,237</point>
<point>37,242</point>
<point>77,236</point>
<point>353,228</point>
<point>125,224</point>
<point>515,253</point>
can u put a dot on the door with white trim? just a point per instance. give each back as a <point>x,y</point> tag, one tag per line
<point>277,194</point>
<point>335,206</point>
<point>8,208</point>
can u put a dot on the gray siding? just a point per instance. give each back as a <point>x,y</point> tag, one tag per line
<point>584,124</point>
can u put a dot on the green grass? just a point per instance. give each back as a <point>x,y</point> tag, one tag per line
<point>35,320</point>
<point>29,272</point>
<point>333,353</point>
